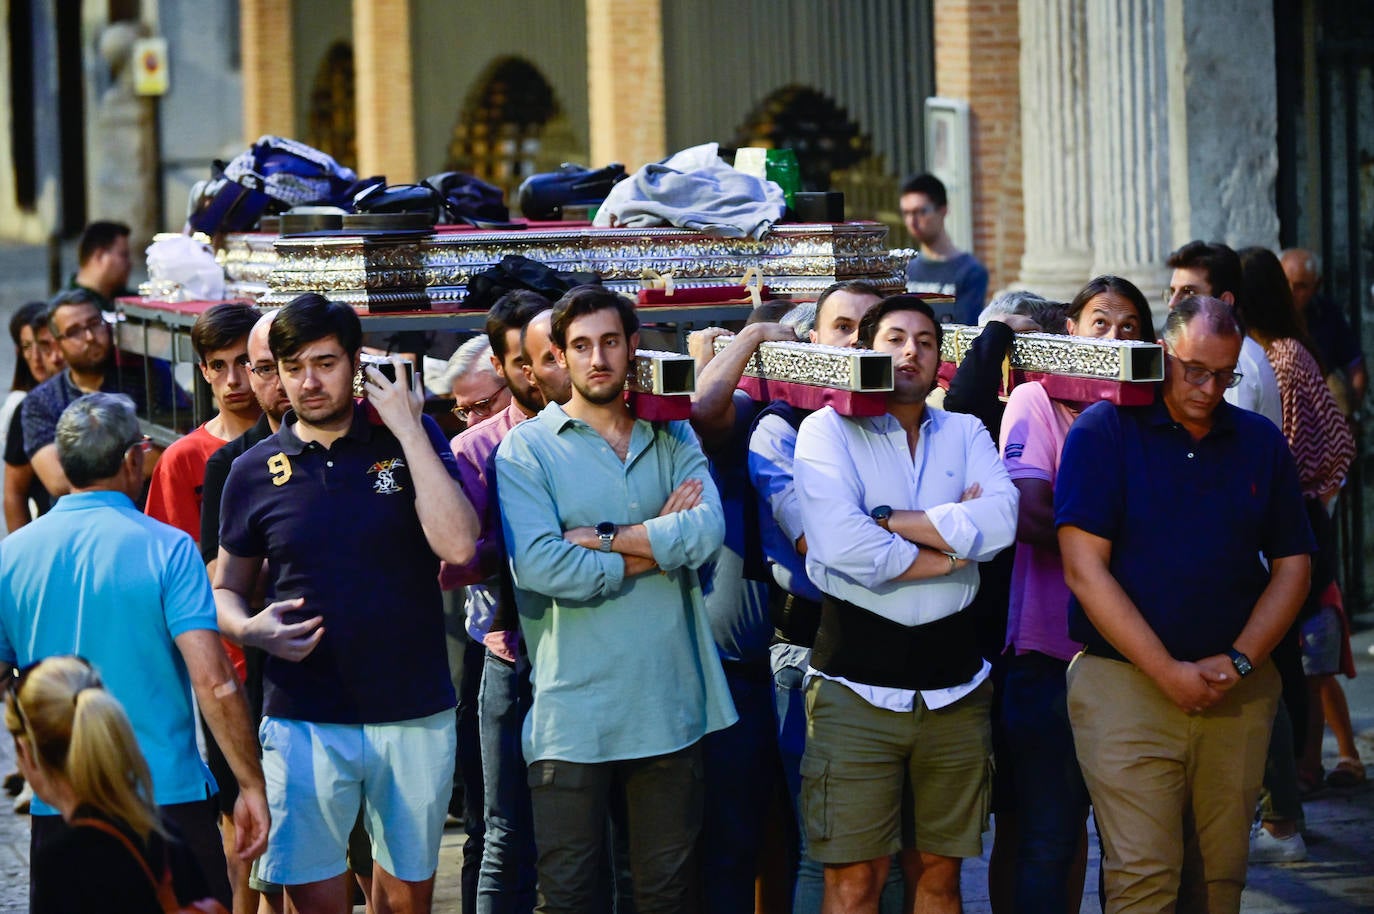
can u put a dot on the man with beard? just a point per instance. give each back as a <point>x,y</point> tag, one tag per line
<point>498,858</point>
<point>626,679</point>
<point>896,510</point>
<point>355,504</point>
<point>85,338</point>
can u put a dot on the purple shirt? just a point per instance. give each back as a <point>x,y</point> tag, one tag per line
<point>473,449</point>
<point>1033,431</point>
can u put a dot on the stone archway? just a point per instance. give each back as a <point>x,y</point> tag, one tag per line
<point>809,122</point>
<point>511,126</point>
<point>332,125</point>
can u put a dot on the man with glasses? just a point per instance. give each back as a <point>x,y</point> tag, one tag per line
<point>220,339</point>
<point>353,504</point>
<point>1167,515</point>
<point>478,388</point>
<point>498,856</point>
<point>85,338</point>
<point>104,262</point>
<point>941,268</point>
<point>97,578</point>
<point>1209,269</point>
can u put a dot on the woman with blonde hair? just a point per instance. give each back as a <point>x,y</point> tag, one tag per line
<point>75,746</point>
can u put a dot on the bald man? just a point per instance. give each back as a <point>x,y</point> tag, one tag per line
<point>1339,348</point>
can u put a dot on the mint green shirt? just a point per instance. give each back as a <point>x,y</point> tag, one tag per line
<point>622,668</point>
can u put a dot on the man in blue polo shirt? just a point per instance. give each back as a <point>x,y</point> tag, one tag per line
<point>1167,516</point>
<point>97,578</point>
<point>353,505</point>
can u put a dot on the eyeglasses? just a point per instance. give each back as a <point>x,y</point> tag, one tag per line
<point>92,327</point>
<point>217,367</point>
<point>481,407</point>
<point>265,372</point>
<point>1198,376</point>
<point>1181,293</point>
<point>918,212</point>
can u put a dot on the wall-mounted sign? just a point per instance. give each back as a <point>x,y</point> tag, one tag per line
<point>150,66</point>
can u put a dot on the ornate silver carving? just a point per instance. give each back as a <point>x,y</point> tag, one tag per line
<point>664,373</point>
<point>794,259</point>
<point>1088,357</point>
<point>859,370</point>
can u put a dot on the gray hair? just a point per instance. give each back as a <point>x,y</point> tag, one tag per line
<point>472,357</point>
<point>1015,301</point>
<point>92,435</point>
<point>1218,318</point>
<point>802,318</point>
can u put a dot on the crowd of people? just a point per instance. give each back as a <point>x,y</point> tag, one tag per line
<point>766,658</point>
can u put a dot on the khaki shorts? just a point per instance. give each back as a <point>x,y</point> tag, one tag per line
<point>876,781</point>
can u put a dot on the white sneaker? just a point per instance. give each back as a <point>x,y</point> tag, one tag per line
<point>1265,848</point>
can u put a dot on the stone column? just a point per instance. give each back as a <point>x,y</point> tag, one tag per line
<point>625,82</point>
<point>1129,113</point>
<point>269,101</point>
<point>1055,137</point>
<point>385,89</point>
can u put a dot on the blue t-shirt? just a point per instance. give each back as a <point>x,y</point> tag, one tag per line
<point>98,578</point>
<point>1188,520</point>
<point>339,528</point>
<point>961,276</point>
<point>736,605</point>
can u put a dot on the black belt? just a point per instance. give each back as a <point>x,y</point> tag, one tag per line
<point>795,619</point>
<point>865,647</point>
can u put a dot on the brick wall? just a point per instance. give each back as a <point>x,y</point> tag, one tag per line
<point>385,89</point>
<point>269,103</point>
<point>977,51</point>
<point>625,82</point>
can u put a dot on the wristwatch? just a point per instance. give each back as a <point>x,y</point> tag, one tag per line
<point>882,514</point>
<point>1240,662</point>
<point>606,531</point>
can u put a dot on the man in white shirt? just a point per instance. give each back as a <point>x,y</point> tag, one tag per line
<point>1203,268</point>
<point>897,511</point>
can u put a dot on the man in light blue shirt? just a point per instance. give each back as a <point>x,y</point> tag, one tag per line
<point>897,510</point>
<point>97,578</point>
<point>606,520</point>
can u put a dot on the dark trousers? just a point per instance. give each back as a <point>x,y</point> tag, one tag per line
<point>742,768</point>
<point>1051,798</point>
<point>469,769</point>
<point>662,801</point>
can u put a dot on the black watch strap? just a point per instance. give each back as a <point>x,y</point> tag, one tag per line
<point>1241,662</point>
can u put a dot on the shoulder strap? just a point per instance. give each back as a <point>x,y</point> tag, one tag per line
<point>166,897</point>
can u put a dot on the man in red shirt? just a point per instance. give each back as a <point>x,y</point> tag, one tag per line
<point>220,338</point>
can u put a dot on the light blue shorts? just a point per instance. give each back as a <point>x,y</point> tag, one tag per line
<point>318,775</point>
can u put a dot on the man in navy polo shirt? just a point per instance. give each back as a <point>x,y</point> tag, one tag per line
<point>353,505</point>
<point>1167,516</point>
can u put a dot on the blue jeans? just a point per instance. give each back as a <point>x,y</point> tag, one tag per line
<point>1051,798</point>
<point>505,884</point>
<point>741,768</point>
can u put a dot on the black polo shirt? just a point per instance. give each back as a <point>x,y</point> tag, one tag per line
<point>338,527</point>
<point>1188,520</point>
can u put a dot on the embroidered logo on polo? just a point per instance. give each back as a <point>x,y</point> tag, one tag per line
<point>385,470</point>
<point>279,465</point>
